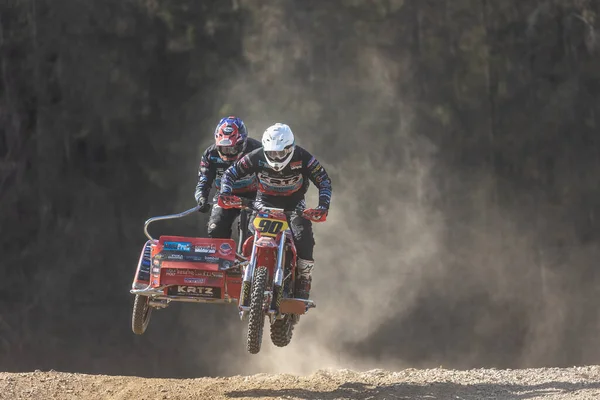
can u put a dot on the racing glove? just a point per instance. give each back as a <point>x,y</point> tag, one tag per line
<point>203,205</point>
<point>229,201</point>
<point>318,214</point>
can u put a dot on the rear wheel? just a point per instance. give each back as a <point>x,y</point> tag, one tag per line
<point>256,318</point>
<point>282,330</point>
<point>140,317</point>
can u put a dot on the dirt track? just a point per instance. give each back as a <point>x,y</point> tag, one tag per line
<point>433,384</point>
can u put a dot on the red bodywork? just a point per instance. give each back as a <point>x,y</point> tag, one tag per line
<point>266,249</point>
<point>196,267</point>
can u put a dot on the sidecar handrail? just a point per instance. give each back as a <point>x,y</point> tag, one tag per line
<point>163,217</point>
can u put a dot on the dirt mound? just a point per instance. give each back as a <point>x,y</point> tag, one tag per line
<point>432,384</point>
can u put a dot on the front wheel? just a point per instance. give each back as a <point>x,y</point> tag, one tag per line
<point>140,317</point>
<point>256,319</point>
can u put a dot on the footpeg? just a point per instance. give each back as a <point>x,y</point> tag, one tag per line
<point>295,306</point>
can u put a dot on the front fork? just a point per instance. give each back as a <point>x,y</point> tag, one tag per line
<point>279,275</point>
<point>247,281</point>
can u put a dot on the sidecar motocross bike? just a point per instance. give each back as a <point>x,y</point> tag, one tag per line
<point>186,269</point>
<point>260,276</point>
<point>268,284</point>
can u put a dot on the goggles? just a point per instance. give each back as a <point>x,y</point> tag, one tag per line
<point>229,150</point>
<point>278,155</point>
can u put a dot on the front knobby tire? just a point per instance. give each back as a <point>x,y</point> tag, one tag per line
<point>256,318</point>
<point>140,317</point>
<point>282,330</point>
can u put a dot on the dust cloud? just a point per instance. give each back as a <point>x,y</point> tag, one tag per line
<point>382,238</point>
<point>418,265</point>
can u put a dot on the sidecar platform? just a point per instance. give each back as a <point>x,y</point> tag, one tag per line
<point>189,269</point>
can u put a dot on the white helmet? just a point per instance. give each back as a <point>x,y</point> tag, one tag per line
<point>278,143</point>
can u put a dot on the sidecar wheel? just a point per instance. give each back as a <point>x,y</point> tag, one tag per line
<point>256,318</point>
<point>140,317</point>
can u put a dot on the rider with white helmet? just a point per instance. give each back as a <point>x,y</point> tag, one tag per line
<point>283,170</point>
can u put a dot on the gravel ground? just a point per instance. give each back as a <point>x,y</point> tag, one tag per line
<point>431,384</point>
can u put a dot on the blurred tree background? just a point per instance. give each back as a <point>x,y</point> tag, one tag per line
<point>105,107</point>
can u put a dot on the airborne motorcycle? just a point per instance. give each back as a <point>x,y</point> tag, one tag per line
<point>269,278</point>
<point>186,269</point>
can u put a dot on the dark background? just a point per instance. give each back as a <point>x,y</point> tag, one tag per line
<point>474,121</point>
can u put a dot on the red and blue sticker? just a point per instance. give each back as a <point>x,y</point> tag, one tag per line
<point>225,249</point>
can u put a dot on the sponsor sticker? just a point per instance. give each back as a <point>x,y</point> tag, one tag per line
<point>178,246</point>
<point>199,257</point>
<point>209,248</point>
<point>175,257</point>
<point>296,165</point>
<point>192,272</point>
<point>225,249</point>
<point>196,291</point>
<point>199,281</point>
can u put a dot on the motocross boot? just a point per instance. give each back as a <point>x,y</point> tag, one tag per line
<point>304,279</point>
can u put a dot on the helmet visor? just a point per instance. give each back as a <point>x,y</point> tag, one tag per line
<point>278,155</point>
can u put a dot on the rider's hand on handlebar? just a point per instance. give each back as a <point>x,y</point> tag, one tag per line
<point>203,205</point>
<point>229,201</point>
<point>318,214</point>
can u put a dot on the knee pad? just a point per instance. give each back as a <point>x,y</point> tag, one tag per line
<point>305,267</point>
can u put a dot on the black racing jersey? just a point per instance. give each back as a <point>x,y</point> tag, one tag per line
<point>212,167</point>
<point>280,188</point>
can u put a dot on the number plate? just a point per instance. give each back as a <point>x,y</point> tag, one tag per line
<point>269,226</point>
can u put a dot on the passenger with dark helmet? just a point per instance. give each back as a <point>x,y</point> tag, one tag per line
<point>231,144</point>
<point>284,170</point>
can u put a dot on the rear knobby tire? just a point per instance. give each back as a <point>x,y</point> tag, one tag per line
<point>256,319</point>
<point>282,330</point>
<point>140,317</point>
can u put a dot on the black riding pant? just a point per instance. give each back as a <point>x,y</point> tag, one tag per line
<point>303,236</point>
<point>221,220</point>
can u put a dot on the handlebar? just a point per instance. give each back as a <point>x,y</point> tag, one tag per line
<point>248,204</point>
